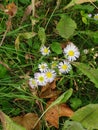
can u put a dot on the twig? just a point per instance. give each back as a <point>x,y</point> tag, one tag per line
<point>8,28</point>
<point>57,6</point>
<point>33,8</point>
<point>93,4</point>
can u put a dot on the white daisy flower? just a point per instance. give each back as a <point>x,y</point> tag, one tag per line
<point>86,51</point>
<point>96,16</point>
<point>32,83</point>
<point>43,67</point>
<point>41,79</point>
<point>89,15</point>
<point>72,52</point>
<point>50,75</point>
<point>64,67</point>
<point>44,50</point>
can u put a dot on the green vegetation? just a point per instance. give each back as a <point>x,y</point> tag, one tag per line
<point>49,55</point>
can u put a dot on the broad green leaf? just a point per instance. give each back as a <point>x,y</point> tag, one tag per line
<point>72,125</point>
<point>42,35</point>
<point>26,35</point>
<point>56,47</point>
<point>87,7</point>
<point>87,116</point>
<point>75,103</point>
<point>63,98</point>
<point>74,2</point>
<point>84,20</point>
<point>91,73</point>
<point>8,124</point>
<point>66,26</point>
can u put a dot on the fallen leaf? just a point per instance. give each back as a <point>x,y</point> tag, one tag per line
<point>28,56</point>
<point>8,124</point>
<point>38,3</point>
<point>2,7</point>
<point>64,44</point>
<point>27,121</point>
<point>27,12</point>
<point>49,91</point>
<point>11,9</point>
<point>50,94</point>
<point>9,24</point>
<point>53,114</point>
<point>26,35</point>
<point>8,27</point>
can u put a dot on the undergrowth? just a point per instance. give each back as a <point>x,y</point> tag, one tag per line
<point>20,55</point>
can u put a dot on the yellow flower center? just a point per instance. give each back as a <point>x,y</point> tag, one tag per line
<point>64,67</point>
<point>49,74</point>
<point>71,53</point>
<point>33,82</point>
<point>43,67</point>
<point>45,50</point>
<point>41,79</point>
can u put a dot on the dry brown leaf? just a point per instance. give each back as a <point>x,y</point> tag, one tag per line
<point>53,84</point>
<point>29,56</point>
<point>38,3</point>
<point>50,94</point>
<point>9,124</point>
<point>64,44</point>
<point>49,91</point>
<point>11,9</point>
<point>2,7</point>
<point>52,115</point>
<point>27,12</point>
<point>28,121</point>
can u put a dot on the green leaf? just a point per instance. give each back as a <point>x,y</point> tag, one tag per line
<point>95,37</point>
<point>56,47</point>
<point>87,116</point>
<point>42,35</point>
<point>84,20</point>
<point>66,26</point>
<point>75,103</point>
<point>91,73</point>
<point>63,98</point>
<point>3,71</point>
<point>87,7</point>
<point>8,124</point>
<point>26,35</point>
<point>72,125</point>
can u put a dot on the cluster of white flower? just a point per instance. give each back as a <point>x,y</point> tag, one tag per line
<point>42,78</point>
<point>48,74</point>
<point>95,17</point>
